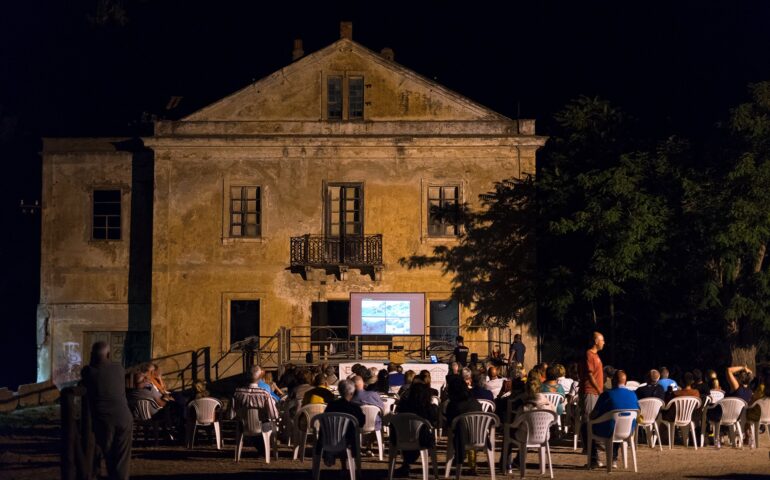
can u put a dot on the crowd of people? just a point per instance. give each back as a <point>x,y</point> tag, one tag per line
<point>589,390</point>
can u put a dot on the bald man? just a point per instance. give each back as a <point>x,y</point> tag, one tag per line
<point>617,398</point>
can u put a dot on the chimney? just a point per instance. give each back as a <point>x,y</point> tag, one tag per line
<point>388,54</point>
<point>346,30</point>
<point>297,53</point>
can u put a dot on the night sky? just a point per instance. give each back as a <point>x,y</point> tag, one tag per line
<point>676,66</point>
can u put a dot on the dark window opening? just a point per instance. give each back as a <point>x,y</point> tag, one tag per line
<point>106,221</point>
<point>245,212</point>
<point>445,199</point>
<point>356,98</point>
<point>334,97</point>
<point>444,321</point>
<point>244,319</point>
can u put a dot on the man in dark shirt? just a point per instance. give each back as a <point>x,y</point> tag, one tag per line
<point>344,405</point>
<point>461,351</point>
<point>395,378</point>
<point>112,421</point>
<point>653,388</point>
<point>517,351</point>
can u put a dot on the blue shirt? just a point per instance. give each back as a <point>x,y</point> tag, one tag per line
<point>615,399</point>
<point>267,388</point>
<point>395,379</point>
<point>667,382</point>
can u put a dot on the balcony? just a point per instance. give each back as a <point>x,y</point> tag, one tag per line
<point>362,252</point>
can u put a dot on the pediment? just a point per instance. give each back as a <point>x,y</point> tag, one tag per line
<point>297,92</point>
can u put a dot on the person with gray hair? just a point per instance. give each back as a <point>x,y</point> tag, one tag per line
<point>344,404</point>
<point>113,423</point>
<point>652,388</point>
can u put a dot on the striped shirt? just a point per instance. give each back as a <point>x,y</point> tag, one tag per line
<point>254,396</point>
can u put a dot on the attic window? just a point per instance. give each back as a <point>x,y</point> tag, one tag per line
<point>334,97</point>
<point>344,97</point>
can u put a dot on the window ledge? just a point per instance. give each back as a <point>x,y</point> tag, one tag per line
<point>428,239</point>
<point>235,240</point>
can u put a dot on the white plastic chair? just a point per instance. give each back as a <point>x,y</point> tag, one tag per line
<point>764,419</point>
<point>250,423</point>
<point>623,433</point>
<point>649,409</point>
<point>487,405</point>
<point>632,385</point>
<point>557,400</point>
<point>372,412</point>
<point>305,415</point>
<point>331,428</point>
<point>407,427</point>
<point>733,409</point>
<point>537,424</point>
<point>478,433</point>
<point>390,404</point>
<point>685,406</point>
<point>204,415</point>
<point>716,395</point>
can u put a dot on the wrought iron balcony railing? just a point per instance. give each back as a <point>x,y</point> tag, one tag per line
<point>320,251</point>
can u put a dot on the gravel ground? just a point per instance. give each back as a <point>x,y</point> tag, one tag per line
<point>29,451</point>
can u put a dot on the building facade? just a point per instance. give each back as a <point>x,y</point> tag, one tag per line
<point>263,211</point>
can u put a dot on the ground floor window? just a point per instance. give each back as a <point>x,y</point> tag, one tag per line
<point>244,319</point>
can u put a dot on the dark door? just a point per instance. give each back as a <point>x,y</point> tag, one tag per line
<point>444,321</point>
<point>329,327</point>
<point>244,319</point>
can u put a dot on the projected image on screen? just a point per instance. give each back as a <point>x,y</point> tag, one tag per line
<point>386,317</point>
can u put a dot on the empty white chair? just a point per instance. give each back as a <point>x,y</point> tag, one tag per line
<point>405,436</point>
<point>304,419</point>
<point>622,433</point>
<point>557,400</point>
<point>487,405</point>
<point>733,409</point>
<point>764,419</point>
<point>536,424</point>
<point>331,428</point>
<point>204,414</point>
<point>390,404</point>
<point>649,408</point>
<point>251,422</point>
<point>371,412</point>
<point>477,430</point>
<point>685,406</point>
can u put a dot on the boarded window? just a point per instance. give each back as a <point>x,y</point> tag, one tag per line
<point>356,98</point>
<point>106,219</point>
<point>443,204</point>
<point>334,97</point>
<point>245,212</point>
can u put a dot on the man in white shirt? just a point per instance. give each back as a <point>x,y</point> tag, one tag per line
<point>495,383</point>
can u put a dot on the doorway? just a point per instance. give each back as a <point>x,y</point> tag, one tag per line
<point>444,321</point>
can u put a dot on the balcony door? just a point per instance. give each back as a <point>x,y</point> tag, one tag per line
<point>344,223</point>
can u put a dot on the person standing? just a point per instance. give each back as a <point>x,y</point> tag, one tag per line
<point>591,381</point>
<point>461,351</point>
<point>517,351</point>
<point>105,384</point>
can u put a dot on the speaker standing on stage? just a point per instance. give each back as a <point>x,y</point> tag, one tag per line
<point>461,352</point>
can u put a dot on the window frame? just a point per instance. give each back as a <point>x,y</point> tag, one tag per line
<point>121,217</point>
<point>345,75</point>
<point>230,212</point>
<point>328,207</point>
<point>442,200</point>
<point>426,184</point>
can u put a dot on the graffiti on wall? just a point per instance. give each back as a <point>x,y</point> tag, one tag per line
<point>69,361</point>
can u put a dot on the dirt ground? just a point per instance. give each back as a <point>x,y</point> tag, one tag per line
<point>29,451</point>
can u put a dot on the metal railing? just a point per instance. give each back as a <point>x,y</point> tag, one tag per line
<point>322,251</point>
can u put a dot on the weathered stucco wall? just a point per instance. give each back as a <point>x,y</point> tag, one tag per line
<point>84,282</point>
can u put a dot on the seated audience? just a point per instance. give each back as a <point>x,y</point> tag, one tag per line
<point>567,383</point>
<point>395,378</point>
<point>666,382</point>
<point>478,389</point>
<point>551,385</point>
<point>698,384</point>
<point>419,403</point>
<point>331,376</point>
<point>344,404</point>
<point>408,377</point>
<point>494,383</point>
<point>460,401</point>
<point>367,397</point>
<point>426,379</point>
<point>739,377</point>
<point>531,399</point>
<point>617,398</point>
<point>652,388</point>
<point>320,392</point>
